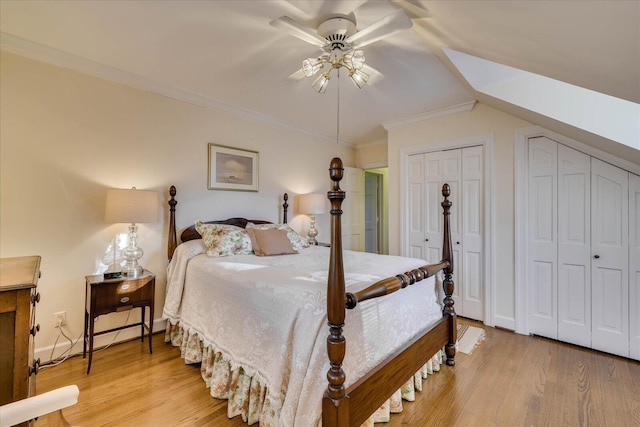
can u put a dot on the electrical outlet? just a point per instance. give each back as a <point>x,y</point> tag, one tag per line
<point>60,318</point>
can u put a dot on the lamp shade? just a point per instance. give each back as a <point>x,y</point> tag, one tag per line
<point>131,205</point>
<point>312,204</point>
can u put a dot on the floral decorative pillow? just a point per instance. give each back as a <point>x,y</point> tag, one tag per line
<point>298,242</point>
<point>224,240</point>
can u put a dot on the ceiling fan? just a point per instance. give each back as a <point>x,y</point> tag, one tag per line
<point>341,45</point>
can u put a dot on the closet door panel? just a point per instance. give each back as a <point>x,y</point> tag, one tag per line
<point>417,215</point>
<point>574,246</point>
<point>610,262</point>
<point>433,197</point>
<point>451,173</point>
<point>353,209</point>
<point>471,233</point>
<point>543,256</point>
<point>634,266</point>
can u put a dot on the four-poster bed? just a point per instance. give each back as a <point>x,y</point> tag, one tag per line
<point>383,352</point>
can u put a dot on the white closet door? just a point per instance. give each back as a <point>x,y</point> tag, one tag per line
<point>634,265</point>
<point>451,173</point>
<point>574,246</point>
<point>353,209</point>
<point>610,263</point>
<point>471,233</point>
<point>433,209</point>
<point>462,169</point>
<point>543,257</point>
<point>417,215</point>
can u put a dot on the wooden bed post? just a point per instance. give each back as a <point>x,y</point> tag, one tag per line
<point>173,242</point>
<point>335,407</point>
<point>285,207</point>
<point>447,255</point>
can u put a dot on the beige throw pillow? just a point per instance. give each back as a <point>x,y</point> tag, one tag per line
<point>270,242</point>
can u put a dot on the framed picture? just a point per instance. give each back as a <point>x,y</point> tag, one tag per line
<point>232,169</point>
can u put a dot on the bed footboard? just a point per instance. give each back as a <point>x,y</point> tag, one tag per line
<point>351,407</point>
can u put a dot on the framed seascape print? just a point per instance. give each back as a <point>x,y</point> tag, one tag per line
<point>232,169</point>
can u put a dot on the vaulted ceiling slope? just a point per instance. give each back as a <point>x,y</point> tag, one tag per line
<point>224,54</point>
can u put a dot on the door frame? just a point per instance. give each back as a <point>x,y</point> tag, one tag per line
<point>486,141</point>
<point>521,171</point>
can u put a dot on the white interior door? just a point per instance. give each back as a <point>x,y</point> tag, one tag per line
<point>610,263</point>
<point>451,173</point>
<point>471,232</point>
<point>432,198</point>
<point>543,248</point>
<point>634,266</point>
<point>416,206</point>
<point>353,209</point>
<point>574,246</point>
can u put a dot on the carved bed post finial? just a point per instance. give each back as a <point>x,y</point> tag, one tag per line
<point>336,298</point>
<point>173,242</point>
<point>447,255</point>
<point>285,207</point>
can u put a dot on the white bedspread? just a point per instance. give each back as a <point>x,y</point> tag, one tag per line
<point>268,315</point>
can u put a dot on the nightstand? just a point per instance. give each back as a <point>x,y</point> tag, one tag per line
<point>104,296</point>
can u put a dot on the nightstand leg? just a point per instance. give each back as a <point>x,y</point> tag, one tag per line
<point>142,325</point>
<point>150,327</point>
<point>84,336</point>
<point>91,329</point>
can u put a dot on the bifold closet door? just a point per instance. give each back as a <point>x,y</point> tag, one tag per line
<point>542,264</point>
<point>574,246</point>
<point>610,258</point>
<point>634,266</point>
<point>462,169</point>
<point>471,238</point>
<point>353,209</point>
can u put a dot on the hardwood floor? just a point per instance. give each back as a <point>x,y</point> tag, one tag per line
<point>509,380</point>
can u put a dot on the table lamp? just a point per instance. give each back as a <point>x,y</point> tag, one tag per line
<point>312,205</point>
<point>131,206</point>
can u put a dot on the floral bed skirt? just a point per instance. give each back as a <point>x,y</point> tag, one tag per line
<point>249,399</point>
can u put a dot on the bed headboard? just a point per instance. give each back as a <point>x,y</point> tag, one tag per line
<point>190,233</point>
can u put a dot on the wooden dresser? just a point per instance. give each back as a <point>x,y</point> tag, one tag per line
<point>18,297</point>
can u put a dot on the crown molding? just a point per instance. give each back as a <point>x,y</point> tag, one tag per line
<point>430,115</point>
<point>372,143</point>
<point>42,53</point>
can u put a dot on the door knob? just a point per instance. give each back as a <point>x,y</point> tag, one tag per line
<point>457,243</point>
<point>596,256</point>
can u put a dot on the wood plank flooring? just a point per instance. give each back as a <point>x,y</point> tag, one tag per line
<point>509,380</point>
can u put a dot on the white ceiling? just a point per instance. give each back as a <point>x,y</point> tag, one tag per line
<point>225,52</point>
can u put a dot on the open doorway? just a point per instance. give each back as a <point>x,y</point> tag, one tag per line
<point>376,211</point>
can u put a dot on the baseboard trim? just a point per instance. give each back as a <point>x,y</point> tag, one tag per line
<point>44,353</point>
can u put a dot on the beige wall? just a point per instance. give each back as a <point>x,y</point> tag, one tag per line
<point>482,120</point>
<point>372,154</point>
<point>67,137</point>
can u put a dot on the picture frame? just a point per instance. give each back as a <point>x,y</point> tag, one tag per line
<point>232,169</point>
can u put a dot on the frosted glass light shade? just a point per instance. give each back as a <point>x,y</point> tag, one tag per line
<point>312,204</point>
<point>131,206</point>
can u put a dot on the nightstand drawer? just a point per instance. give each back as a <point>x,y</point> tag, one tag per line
<point>108,297</point>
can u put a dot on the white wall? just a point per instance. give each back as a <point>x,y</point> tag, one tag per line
<point>482,120</point>
<point>67,137</point>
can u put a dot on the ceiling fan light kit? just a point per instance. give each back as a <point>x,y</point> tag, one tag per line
<point>341,43</point>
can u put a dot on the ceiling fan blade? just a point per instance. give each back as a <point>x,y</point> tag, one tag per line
<point>297,76</point>
<point>298,30</point>
<point>390,24</point>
